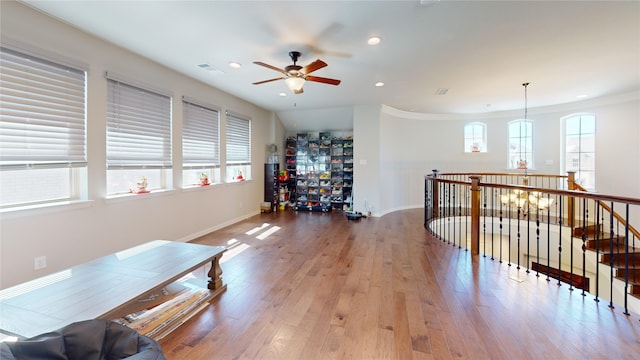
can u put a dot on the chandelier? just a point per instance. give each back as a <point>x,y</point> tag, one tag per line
<point>526,200</point>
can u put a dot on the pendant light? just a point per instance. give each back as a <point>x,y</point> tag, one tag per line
<point>522,164</point>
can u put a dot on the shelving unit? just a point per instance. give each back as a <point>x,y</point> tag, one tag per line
<point>290,166</point>
<point>336,173</point>
<point>319,164</point>
<point>272,185</point>
<point>347,170</point>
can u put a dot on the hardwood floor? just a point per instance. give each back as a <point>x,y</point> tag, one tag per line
<point>319,286</point>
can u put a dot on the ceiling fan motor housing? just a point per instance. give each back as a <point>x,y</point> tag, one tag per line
<point>294,55</point>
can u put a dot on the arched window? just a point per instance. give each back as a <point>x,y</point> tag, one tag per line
<point>475,137</point>
<point>520,144</point>
<point>580,149</point>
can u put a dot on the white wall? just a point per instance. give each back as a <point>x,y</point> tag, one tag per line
<point>74,234</point>
<point>410,145</point>
<point>366,159</point>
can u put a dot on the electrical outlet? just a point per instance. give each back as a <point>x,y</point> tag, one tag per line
<point>39,262</point>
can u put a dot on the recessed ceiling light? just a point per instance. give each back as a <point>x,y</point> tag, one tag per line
<point>234,64</point>
<point>283,94</point>
<point>379,84</point>
<point>374,40</point>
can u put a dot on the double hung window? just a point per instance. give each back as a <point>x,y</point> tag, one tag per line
<point>42,131</point>
<point>200,144</point>
<point>138,139</point>
<point>520,144</point>
<point>238,136</point>
<point>475,137</point>
<point>580,148</point>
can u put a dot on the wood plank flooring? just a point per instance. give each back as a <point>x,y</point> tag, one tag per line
<point>318,286</point>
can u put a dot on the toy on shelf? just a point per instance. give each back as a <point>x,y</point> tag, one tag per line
<point>204,180</point>
<point>141,187</point>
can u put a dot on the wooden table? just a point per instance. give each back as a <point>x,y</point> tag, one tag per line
<point>103,288</point>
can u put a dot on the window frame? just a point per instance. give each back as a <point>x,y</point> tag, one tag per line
<point>470,146</point>
<point>138,137</point>
<point>43,133</point>
<point>200,143</point>
<point>581,135</point>
<point>237,158</point>
<point>523,140</point>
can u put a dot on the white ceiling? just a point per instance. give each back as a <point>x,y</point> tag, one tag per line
<point>481,51</point>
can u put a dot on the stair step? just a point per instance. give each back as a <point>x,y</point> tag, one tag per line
<point>606,248</point>
<point>604,241</point>
<point>589,230</point>
<point>619,259</point>
<point>633,273</point>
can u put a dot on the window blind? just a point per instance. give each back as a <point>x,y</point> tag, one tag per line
<point>200,136</point>
<point>42,113</point>
<point>238,140</point>
<point>138,127</point>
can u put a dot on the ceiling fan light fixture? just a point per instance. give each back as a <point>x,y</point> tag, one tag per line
<point>294,83</point>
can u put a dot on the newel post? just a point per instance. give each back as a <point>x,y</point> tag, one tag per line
<point>475,214</point>
<point>571,185</point>
<point>434,200</point>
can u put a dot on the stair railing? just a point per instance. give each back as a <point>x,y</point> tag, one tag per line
<point>546,224</point>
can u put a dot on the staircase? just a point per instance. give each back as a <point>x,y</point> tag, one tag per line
<point>612,252</point>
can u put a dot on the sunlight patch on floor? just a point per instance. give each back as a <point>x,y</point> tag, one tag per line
<point>268,233</point>
<point>257,228</point>
<point>235,247</point>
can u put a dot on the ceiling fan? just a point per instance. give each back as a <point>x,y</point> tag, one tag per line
<point>295,75</point>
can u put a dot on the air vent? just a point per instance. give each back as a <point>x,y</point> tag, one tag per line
<point>209,68</point>
<point>442,91</point>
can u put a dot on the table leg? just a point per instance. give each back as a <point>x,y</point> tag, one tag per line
<point>215,274</point>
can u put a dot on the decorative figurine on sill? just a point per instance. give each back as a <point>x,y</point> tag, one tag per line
<point>141,187</point>
<point>239,177</point>
<point>522,164</point>
<point>204,179</point>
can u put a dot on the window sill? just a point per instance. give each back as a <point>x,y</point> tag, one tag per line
<point>518,171</point>
<point>237,181</point>
<point>131,197</point>
<point>41,209</point>
<point>200,188</point>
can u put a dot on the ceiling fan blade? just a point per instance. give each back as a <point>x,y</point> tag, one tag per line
<point>318,64</point>
<point>269,66</point>
<point>266,81</point>
<point>323,80</point>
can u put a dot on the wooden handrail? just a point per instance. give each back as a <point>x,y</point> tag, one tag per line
<point>575,191</point>
<point>618,217</point>
<point>501,174</point>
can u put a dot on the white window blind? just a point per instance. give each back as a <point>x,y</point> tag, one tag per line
<point>42,113</point>
<point>238,140</point>
<point>201,136</point>
<point>138,128</point>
